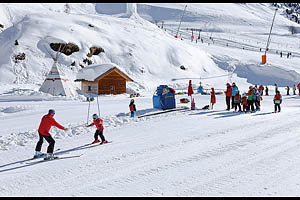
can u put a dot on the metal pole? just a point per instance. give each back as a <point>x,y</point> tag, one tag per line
<point>181,20</point>
<point>98,106</point>
<point>268,42</point>
<point>87,121</point>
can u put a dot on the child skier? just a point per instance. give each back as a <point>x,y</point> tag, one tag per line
<point>46,123</point>
<point>98,122</point>
<point>212,97</point>
<point>250,99</point>
<point>277,101</point>
<point>132,108</point>
<point>257,100</point>
<point>244,102</point>
<point>237,101</point>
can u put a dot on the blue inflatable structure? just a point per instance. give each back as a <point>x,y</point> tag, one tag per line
<point>164,98</point>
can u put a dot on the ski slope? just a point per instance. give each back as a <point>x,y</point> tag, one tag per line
<point>182,153</point>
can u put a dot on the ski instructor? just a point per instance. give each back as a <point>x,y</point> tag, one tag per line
<point>46,123</point>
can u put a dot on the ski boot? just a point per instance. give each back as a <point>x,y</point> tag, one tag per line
<point>103,142</point>
<point>38,154</point>
<point>96,141</point>
<point>50,156</point>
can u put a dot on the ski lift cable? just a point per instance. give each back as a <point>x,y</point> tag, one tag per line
<point>230,74</point>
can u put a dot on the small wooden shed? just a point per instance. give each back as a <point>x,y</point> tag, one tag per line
<point>102,79</point>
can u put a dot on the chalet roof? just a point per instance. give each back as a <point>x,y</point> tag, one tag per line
<point>97,71</point>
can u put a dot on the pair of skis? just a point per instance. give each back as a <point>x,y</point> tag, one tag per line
<point>64,157</point>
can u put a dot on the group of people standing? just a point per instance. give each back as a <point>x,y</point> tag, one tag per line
<point>243,102</point>
<point>250,101</point>
<point>294,89</point>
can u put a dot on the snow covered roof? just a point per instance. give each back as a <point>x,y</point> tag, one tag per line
<point>93,72</point>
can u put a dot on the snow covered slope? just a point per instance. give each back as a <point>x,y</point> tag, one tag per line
<point>182,153</point>
<point>148,54</point>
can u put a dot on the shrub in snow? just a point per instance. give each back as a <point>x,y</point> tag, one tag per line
<point>182,67</point>
<point>20,56</point>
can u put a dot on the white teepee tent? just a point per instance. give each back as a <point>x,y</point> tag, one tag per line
<point>56,83</point>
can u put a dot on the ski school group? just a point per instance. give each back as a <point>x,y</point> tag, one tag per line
<point>246,102</point>
<point>250,100</point>
<point>48,121</point>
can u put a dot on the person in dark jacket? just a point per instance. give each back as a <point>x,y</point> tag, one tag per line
<point>267,91</point>
<point>46,123</point>
<point>132,108</point>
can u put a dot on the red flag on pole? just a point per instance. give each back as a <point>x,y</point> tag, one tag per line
<point>190,89</point>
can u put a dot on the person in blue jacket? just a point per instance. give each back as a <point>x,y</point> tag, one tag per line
<point>234,89</point>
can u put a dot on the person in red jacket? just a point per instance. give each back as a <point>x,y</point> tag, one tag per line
<point>277,101</point>
<point>46,123</point>
<point>228,94</point>
<point>132,108</point>
<point>299,88</point>
<point>212,97</point>
<point>244,102</point>
<point>261,90</point>
<point>98,122</point>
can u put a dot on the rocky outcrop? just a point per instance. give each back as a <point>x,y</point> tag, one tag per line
<point>66,49</point>
<point>95,51</point>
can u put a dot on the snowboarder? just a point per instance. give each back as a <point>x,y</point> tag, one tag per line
<point>132,108</point>
<point>234,89</point>
<point>277,101</point>
<point>228,94</point>
<point>98,122</point>
<point>212,97</point>
<point>267,91</point>
<point>237,101</point>
<point>46,123</point>
<point>287,90</point>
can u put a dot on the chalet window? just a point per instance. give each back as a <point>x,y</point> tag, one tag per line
<point>89,88</point>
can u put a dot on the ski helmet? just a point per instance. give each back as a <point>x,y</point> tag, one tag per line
<point>95,116</point>
<point>132,101</point>
<point>51,111</point>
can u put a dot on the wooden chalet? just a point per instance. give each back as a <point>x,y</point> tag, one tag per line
<point>102,79</point>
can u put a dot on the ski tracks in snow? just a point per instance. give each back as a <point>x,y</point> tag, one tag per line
<point>203,166</point>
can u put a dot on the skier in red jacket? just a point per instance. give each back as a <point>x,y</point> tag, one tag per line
<point>228,94</point>
<point>46,123</point>
<point>98,122</point>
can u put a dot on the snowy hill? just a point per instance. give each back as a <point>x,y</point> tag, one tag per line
<point>149,55</point>
<point>182,153</point>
